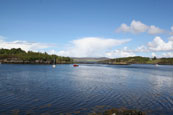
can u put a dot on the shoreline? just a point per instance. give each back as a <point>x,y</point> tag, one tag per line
<point>79,63</point>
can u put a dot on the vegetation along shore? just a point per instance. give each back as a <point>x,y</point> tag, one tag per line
<point>138,60</point>
<point>19,56</point>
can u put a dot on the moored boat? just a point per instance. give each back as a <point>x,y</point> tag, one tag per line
<point>156,65</point>
<point>53,66</point>
<point>75,65</point>
<point>54,63</point>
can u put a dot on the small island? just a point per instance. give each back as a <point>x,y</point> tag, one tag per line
<point>19,56</point>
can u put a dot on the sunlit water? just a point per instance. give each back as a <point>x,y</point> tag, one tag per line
<point>36,89</point>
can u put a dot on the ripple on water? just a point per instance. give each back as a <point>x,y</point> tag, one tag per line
<point>39,89</point>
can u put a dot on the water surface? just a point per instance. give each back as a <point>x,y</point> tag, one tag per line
<point>36,89</point>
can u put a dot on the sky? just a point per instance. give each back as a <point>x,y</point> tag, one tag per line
<point>88,28</point>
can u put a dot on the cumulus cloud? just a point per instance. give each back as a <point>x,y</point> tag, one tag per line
<point>135,27</point>
<point>153,54</point>
<point>170,38</point>
<point>120,53</point>
<point>123,28</point>
<point>96,47</point>
<point>91,46</point>
<point>167,54</point>
<point>142,48</point>
<point>34,46</point>
<point>138,27</point>
<point>159,45</point>
<point>155,30</point>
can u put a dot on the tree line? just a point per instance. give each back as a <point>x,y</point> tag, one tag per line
<point>139,60</point>
<point>17,55</point>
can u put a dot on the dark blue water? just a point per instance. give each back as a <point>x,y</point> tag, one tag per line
<point>36,89</point>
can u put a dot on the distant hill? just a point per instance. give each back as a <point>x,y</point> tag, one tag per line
<point>138,60</point>
<point>89,59</point>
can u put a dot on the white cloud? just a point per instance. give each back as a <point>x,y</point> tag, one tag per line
<point>155,30</point>
<point>135,27</point>
<point>91,47</point>
<point>138,27</point>
<point>159,45</point>
<point>171,33</point>
<point>98,47</point>
<point>34,46</point>
<point>153,54</point>
<point>167,54</point>
<point>170,38</point>
<point>123,28</point>
<point>52,52</point>
<point>120,53</point>
<point>172,28</point>
<point>141,49</point>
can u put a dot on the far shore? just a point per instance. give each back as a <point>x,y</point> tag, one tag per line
<point>33,63</point>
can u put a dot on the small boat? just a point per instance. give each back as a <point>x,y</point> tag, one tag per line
<point>54,63</point>
<point>156,65</point>
<point>75,65</point>
<point>53,66</point>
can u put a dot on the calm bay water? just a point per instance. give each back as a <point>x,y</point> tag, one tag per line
<point>36,89</point>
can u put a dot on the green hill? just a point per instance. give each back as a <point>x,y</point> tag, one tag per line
<point>138,60</point>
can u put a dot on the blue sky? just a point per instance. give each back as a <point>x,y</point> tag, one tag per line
<point>91,28</point>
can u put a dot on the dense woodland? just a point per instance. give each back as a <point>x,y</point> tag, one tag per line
<point>139,60</point>
<point>20,56</point>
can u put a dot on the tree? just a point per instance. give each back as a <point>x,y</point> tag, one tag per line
<point>154,58</point>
